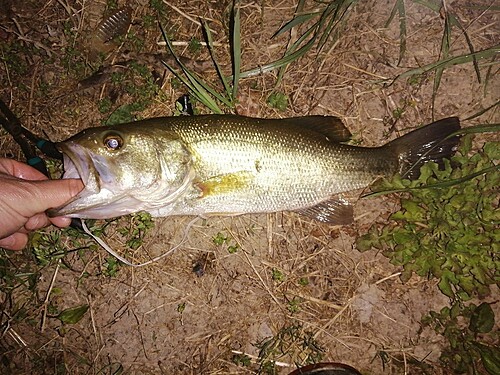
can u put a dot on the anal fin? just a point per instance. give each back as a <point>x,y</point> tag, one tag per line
<point>335,212</point>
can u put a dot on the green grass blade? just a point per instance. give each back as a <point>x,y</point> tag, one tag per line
<point>437,185</point>
<point>294,46</point>
<point>338,17</point>
<point>204,89</point>
<point>285,60</point>
<point>433,5</point>
<point>399,7</point>
<point>236,50</point>
<point>451,61</point>
<point>453,21</point>
<point>477,114</point>
<point>486,128</point>
<point>393,13</point>
<point>297,20</point>
<point>197,91</point>
<point>197,87</point>
<point>444,54</point>
<point>471,49</point>
<point>209,39</point>
<point>330,14</point>
<point>489,74</point>
<point>329,18</point>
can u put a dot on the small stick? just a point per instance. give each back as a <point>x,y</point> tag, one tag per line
<point>186,15</point>
<point>47,296</point>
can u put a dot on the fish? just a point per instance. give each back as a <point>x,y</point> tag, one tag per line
<point>231,165</point>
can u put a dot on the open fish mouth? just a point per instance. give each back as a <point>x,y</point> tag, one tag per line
<point>75,170</point>
<point>78,164</point>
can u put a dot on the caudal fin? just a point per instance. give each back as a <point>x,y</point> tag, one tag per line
<point>432,142</point>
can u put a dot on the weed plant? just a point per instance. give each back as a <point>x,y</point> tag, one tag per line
<point>448,226</point>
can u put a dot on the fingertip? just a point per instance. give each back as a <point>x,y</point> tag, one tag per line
<point>74,185</point>
<point>16,241</point>
<point>60,221</point>
<point>36,222</point>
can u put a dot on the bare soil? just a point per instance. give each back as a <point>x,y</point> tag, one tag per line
<point>289,277</point>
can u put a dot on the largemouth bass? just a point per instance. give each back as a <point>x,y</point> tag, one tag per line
<point>228,165</point>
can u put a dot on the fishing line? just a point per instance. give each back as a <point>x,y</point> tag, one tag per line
<point>106,247</point>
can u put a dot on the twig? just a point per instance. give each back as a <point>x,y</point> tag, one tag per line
<point>320,301</point>
<point>388,277</point>
<point>261,280</point>
<point>187,16</point>
<point>184,44</point>
<point>332,320</point>
<point>47,296</point>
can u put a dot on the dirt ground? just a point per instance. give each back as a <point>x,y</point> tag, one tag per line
<point>280,275</point>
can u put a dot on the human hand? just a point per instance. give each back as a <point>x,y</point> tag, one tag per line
<point>25,195</point>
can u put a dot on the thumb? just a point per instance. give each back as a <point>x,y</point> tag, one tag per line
<point>52,193</point>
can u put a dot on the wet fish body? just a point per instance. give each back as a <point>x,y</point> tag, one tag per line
<point>228,164</point>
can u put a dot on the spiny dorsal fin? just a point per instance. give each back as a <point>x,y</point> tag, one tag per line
<point>330,126</point>
<point>335,211</point>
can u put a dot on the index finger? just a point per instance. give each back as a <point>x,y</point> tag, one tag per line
<point>20,170</point>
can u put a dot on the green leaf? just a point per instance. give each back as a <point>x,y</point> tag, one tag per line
<point>365,242</point>
<point>490,356</point>
<point>73,315</point>
<point>123,114</point>
<point>401,237</point>
<point>492,150</point>
<point>482,319</point>
<point>278,100</point>
<point>445,286</point>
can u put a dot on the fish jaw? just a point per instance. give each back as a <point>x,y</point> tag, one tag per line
<point>77,164</point>
<point>95,200</point>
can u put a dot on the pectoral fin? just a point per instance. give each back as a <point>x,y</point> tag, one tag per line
<point>335,212</point>
<point>225,183</point>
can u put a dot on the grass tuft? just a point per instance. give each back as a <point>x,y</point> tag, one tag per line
<point>326,29</point>
<point>203,91</point>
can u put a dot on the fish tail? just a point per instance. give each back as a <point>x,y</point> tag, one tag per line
<point>433,142</point>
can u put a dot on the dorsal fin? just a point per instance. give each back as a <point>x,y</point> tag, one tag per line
<point>330,126</point>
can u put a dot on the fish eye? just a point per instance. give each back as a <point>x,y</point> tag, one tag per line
<point>113,142</point>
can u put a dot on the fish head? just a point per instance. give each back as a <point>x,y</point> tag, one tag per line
<point>124,169</point>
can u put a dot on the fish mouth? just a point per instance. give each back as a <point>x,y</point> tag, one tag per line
<point>78,164</point>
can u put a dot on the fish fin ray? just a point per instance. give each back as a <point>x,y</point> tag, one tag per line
<point>330,126</point>
<point>224,183</point>
<point>429,143</point>
<point>333,211</point>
